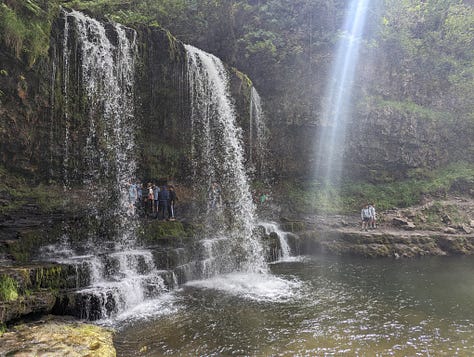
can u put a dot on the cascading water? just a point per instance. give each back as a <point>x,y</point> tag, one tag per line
<point>272,227</point>
<point>257,134</point>
<point>219,173</point>
<point>107,74</point>
<point>119,276</point>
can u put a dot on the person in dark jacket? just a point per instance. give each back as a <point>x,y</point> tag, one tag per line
<point>164,197</point>
<point>172,201</point>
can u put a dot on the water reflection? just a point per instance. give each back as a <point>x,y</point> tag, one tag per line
<point>365,307</point>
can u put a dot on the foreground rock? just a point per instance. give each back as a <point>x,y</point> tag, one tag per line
<point>58,337</point>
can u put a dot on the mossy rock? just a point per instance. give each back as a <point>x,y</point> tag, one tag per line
<point>8,288</point>
<point>58,338</point>
<point>156,230</point>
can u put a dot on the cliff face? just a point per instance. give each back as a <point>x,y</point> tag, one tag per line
<point>382,136</point>
<point>24,105</point>
<point>50,122</point>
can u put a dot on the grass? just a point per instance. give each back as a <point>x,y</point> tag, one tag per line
<point>313,196</point>
<point>409,108</point>
<point>8,289</point>
<point>25,28</point>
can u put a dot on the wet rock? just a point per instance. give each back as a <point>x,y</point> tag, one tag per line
<point>455,245</point>
<point>466,229</point>
<point>57,337</point>
<point>450,230</point>
<point>446,219</point>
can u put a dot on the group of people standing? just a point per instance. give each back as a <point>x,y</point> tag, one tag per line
<point>152,200</point>
<point>367,215</point>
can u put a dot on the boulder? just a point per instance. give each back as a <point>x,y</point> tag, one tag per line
<point>466,229</point>
<point>403,223</point>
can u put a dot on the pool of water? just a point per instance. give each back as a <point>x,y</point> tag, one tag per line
<point>314,306</point>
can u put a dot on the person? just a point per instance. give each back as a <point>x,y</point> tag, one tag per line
<point>263,198</point>
<point>163,197</point>
<point>365,216</point>
<point>150,197</point>
<point>132,197</point>
<point>156,190</point>
<point>171,202</point>
<point>372,216</point>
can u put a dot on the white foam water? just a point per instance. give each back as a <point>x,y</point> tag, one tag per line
<point>253,286</point>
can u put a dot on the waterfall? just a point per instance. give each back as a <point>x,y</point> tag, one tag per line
<point>257,134</point>
<point>272,227</point>
<point>220,179</point>
<point>107,69</point>
<point>98,69</point>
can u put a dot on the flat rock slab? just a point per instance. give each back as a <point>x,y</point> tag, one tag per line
<point>57,337</point>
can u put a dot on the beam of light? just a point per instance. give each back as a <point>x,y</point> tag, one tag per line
<point>336,102</point>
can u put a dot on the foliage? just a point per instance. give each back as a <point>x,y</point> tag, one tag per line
<point>427,51</point>
<point>313,196</point>
<point>25,27</point>
<point>8,289</point>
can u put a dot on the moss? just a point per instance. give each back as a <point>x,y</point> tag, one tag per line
<point>8,289</point>
<point>156,230</point>
<point>3,329</point>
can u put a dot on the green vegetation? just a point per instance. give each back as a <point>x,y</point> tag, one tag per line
<point>156,230</point>
<point>25,27</point>
<point>17,192</point>
<point>409,108</point>
<point>8,289</point>
<point>316,197</point>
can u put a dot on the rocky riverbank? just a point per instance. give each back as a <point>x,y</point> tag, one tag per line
<point>437,227</point>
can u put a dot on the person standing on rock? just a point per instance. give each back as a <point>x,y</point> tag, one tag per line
<point>163,197</point>
<point>365,217</point>
<point>156,191</point>
<point>372,216</point>
<point>172,201</point>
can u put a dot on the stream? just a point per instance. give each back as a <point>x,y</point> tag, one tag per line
<point>314,306</point>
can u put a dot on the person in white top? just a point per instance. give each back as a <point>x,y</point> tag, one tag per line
<point>365,217</point>
<point>372,216</point>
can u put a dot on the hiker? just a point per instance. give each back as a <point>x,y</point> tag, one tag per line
<point>150,198</point>
<point>163,197</point>
<point>263,198</point>
<point>171,202</point>
<point>365,216</point>
<point>372,216</point>
<point>156,190</point>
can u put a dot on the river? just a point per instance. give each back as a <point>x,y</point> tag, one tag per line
<point>322,306</point>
